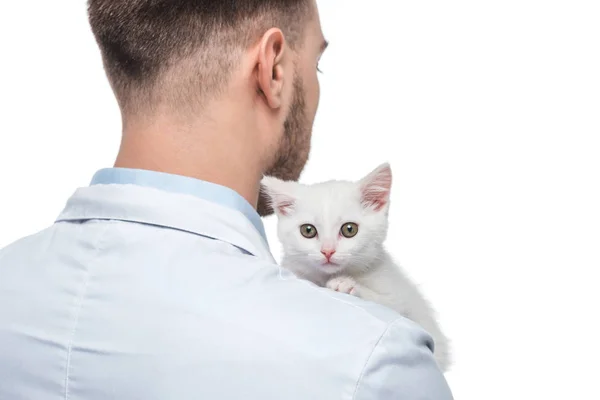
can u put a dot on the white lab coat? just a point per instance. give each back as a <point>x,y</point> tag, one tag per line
<point>138,293</point>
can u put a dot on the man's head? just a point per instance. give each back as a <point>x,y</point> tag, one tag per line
<point>195,60</point>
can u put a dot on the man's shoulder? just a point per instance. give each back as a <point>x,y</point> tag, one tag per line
<point>305,306</point>
<point>376,350</point>
<point>278,290</point>
<point>335,305</point>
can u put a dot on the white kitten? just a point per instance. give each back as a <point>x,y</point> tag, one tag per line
<point>333,233</point>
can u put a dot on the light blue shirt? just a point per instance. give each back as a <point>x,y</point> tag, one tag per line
<point>145,288</point>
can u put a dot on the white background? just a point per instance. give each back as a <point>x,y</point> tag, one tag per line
<point>489,112</point>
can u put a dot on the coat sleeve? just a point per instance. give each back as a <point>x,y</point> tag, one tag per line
<point>402,367</point>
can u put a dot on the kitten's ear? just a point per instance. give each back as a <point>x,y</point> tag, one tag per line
<point>278,192</point>
<point>375,188</point>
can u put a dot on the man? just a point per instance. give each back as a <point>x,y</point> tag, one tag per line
<point>156,281</point>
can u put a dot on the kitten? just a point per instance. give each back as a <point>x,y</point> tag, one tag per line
<point>333,233</point>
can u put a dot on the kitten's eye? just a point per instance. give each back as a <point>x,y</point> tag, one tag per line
<point>349,229</point>
<point>308,231</point>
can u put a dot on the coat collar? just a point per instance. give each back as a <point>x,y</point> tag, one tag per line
<point>181,184</point>
<point>146,205</point>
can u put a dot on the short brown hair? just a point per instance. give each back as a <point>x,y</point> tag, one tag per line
<point>140,40</point>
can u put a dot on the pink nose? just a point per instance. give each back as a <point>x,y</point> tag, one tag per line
<point>328,253</point>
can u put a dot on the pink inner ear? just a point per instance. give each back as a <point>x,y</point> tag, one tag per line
<point>283,203</point>
<point>374,199</point>
<point>375,190</point>
<point>285,206</point>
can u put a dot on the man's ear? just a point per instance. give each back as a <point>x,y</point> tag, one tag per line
<point>375,188</point>
<point>271,54</point>
<point>278,195</point>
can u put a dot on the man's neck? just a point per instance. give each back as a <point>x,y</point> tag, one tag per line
<point>199,152</point>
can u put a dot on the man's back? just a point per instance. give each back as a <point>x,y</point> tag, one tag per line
<point>177,297</point>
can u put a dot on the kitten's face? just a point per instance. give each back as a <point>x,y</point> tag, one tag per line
<point>333,226</point>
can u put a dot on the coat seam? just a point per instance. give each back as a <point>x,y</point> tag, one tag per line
<point>362,373</point>
<point>78,308</point>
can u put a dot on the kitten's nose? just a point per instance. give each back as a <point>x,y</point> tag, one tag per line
<point>328,253</point>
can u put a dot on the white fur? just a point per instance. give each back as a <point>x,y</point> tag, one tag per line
<point>360,266</point>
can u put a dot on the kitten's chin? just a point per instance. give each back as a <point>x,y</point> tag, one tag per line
<point>330,268</point>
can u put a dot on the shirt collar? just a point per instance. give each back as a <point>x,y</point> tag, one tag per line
<point>183,185</point>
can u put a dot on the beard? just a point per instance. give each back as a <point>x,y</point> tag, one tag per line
<point>294,147</point>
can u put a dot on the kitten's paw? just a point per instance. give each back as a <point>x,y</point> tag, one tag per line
<point>343,284</point>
